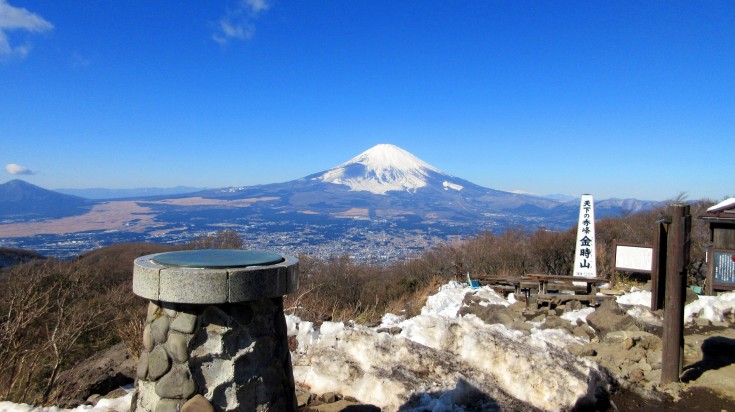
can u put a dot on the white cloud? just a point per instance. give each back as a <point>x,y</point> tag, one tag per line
<point>15,169</point>
<point>238,22</point>
<point>16,18</point>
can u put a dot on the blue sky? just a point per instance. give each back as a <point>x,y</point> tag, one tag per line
<point>615,98</point>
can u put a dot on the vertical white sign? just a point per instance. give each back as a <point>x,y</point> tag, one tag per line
<point>584,258</point>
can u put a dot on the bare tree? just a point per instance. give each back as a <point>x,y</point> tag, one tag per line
<point>223,239</point>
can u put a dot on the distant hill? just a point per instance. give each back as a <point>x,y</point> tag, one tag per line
<point>13,256</point>
<point>21,201</point>
<point>101,193</point>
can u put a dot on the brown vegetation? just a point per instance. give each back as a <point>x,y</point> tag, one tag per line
<point>55,313</point>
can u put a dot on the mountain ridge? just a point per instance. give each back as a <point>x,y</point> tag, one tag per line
<point>20,200</point>
<point>383,203</point>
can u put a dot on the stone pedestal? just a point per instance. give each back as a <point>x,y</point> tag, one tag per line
<point>215,337</point>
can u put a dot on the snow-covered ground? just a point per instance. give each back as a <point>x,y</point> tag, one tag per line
<point>437,355</point>
<point>441,361</point>
<point>121,404</point>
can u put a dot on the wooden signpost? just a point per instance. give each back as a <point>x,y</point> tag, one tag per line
<point>585,257</point>
<point>677,260</point>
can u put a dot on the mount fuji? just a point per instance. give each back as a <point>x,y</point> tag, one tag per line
<point>385,168</point>
<point>382,204</point>
<point>387,182</point>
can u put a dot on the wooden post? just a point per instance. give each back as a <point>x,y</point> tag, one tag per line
<point>658,265</point>
<point>677,260</point>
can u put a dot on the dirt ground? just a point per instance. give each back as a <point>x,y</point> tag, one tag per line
<point>707,380</point>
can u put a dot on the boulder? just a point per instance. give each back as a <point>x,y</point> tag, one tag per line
<point>610,317</point>
<point>100,374</point>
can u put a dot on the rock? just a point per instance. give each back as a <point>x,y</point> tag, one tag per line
<point>518,306</point>
<point>393,330</point>
<point>176,384</point>
<point>341,405</point>
<point>582,350</point>
<point>169,309</point>
<point>117,393</point>
<point>583,331</point>
<point>92,399</point>
<point>636,354</point>
<point>653,358</point>
<point>197,404</point>
<point>653,376</point>
<point>574,305</point>
<point>610,317</point>
<point>302,397</point>
<point>555,322</point>
<point>636,375</point>
<point>521,325</point>
<point>491,314</point>
<point>168,405</point>
<point>176,347</point>
<point>620,336</point>
<point>147,339</point>
<point>159,329</point>
<point>628,343</point>
<point>539,318</point>
<point>142,370</point>
<point>645,367</point>
<point>100,374</point>
<point>328,397</point>
<point>184,322</point>
<point>701,322</point>
<point>153,312</point>
<point>158,363</point>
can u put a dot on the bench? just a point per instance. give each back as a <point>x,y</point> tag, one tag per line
<point>543,281</point>
<point>555,300</point>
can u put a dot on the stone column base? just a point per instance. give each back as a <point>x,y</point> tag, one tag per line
<point>225,357</point>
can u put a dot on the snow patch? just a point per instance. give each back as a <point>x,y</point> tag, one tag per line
<point>381,169</point>
<point>579,314</point>
<point>104,405</point>
<point>450,185</point>
<point>712,308</point>
<point>635,297</point>
<point>725,204</point>
<point>438,355</point>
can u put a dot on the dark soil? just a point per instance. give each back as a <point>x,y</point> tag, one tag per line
<point>694,399</point>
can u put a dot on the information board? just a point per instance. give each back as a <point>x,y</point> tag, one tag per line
<point>723,266</point>
<point>633,258</point>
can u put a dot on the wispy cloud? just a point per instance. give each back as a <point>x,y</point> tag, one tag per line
<point>78,61</point>
<point>18,19</point>
<point>15,169</point>
<point>239,21</point>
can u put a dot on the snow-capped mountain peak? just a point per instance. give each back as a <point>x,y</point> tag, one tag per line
<point>381,169</point>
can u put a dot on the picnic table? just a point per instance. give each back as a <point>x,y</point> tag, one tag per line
<point>543,281</point>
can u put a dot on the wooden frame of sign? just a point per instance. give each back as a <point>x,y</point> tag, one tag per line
<point>720,270</point>
<point>630,257</point>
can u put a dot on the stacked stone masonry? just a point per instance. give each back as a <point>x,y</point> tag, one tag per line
<point>226,357</point>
